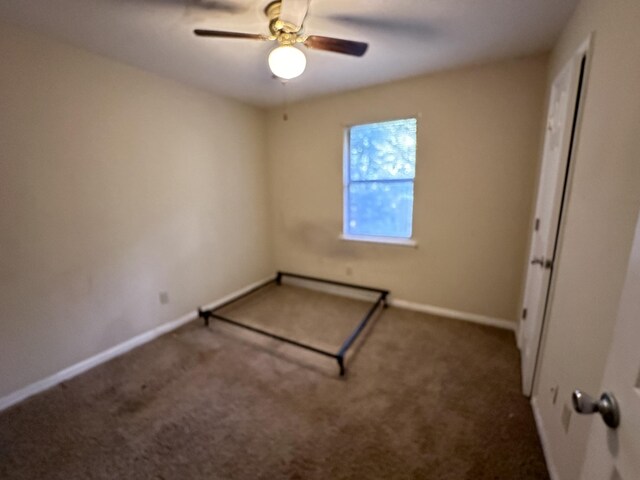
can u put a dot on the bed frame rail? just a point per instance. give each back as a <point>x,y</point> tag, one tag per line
<point>381,300</point>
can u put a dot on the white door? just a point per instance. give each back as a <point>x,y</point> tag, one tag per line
<point>615,454</point>
<point>557,143</point>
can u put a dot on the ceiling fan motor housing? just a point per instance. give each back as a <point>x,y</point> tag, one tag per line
<point>286,33</point>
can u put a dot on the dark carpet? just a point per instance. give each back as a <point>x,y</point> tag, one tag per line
<point>424,398</point>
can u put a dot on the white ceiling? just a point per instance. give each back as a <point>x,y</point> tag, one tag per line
<point>406,38</point>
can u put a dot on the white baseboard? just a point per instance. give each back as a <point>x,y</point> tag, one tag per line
<point>240,291</point>
<point>551,467</point>
<point>396,302</point>
<point>83,366</point>
<point>339,290</point>
<point>455,314</point>
<point>124,347</point>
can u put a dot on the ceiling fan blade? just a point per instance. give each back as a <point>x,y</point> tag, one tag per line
<point>219,5</point>
<point>348,47</point>
<point>220,34</point>
<point>394,26</point>
<point>193,6</point>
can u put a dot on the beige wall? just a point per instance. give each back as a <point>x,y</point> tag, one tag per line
<point>602,209</point>
<point>115,185</point>
<point>477,153</point>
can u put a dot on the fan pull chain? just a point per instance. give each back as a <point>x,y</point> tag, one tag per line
<point>285,115</point>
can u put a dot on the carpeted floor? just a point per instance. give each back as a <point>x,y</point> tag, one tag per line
<point>424,398</point>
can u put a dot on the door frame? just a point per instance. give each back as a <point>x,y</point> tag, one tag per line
<point>582,53</point>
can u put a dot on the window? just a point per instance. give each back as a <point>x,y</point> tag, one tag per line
<point>379,171</point>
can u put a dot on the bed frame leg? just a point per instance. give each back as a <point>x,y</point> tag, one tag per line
<point>279,278</point>
<point>340,360</point>
<point>204,315</point>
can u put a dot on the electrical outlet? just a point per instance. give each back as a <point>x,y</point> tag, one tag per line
<point>164,298</point>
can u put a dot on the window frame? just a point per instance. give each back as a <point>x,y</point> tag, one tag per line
<point>346,182</point>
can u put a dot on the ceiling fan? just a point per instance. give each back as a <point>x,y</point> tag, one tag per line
<point>286,61</point>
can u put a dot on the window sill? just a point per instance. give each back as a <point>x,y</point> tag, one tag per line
<point>401,242</point>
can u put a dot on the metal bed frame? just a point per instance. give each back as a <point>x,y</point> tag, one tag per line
<point>207,314</point>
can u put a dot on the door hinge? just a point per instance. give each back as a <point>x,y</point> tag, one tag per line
<point>537,226</point>
<point>524,313</point>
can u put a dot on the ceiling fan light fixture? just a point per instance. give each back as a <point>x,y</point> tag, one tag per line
<point>287,62</point>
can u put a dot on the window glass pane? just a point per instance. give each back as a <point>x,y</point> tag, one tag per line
<point>383,151</point>
<point>380,208</point>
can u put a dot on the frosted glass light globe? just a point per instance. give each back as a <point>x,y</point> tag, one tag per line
<point>287,62</point>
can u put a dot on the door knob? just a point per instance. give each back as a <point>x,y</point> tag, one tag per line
<point>537,261</point>
<point>606,406</point>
